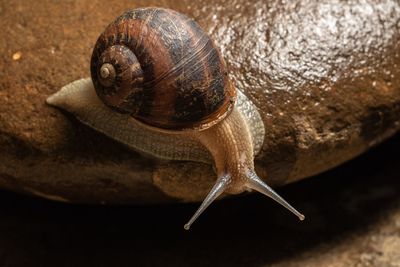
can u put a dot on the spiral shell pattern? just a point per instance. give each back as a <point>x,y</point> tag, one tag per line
<point>162,68</point>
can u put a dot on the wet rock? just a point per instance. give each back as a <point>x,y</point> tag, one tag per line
<point>325,77</point>
<point>353,219</point>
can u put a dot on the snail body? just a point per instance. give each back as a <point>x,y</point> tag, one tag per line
<point>155,70</point>
<point>77,96</point>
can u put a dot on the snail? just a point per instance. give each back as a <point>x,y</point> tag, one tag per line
<point>160,85</point>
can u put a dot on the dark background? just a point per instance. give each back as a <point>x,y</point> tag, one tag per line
<point>343,208</point>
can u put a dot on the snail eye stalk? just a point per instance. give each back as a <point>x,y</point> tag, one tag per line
<point>218,188</point>
<point>252,182</point>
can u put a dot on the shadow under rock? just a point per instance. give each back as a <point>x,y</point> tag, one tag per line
<point>248,230</point>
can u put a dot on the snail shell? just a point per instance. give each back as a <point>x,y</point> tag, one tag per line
<point>160,67</point>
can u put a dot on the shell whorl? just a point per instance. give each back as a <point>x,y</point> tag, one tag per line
<point>163,69</point>
<point>119,76</point>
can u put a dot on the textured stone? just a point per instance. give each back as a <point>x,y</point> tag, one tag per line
<point>353,219</point>
<point>324,75</point>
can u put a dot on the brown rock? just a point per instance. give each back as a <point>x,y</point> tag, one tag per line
<point>324,75</point>
<point>353,219</point>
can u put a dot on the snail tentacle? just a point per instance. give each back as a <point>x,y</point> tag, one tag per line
<point>230,145</point>
<point>254,182</point>
<point>218,188</point>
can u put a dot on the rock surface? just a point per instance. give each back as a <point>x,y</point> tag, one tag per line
<point>353,219</point>
<point>353,212</point>
<point>324,75</point>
